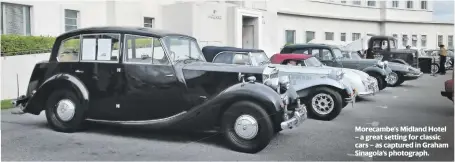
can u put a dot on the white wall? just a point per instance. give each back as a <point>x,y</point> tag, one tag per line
<point>302,24</point>
<point>431,30</point>
<point>47,17</point>
<point>18,66</point>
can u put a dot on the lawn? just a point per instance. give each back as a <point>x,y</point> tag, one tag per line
<point>6,104</point>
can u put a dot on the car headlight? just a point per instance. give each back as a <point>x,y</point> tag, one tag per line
<point>272,83</point>
<point>336,74</point>
<point>380,64</point>
<point>284,83</point>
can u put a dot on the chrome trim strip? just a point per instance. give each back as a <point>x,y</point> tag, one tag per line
<point>140,122</point>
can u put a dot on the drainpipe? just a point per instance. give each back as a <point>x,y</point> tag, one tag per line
<point>382,17</point>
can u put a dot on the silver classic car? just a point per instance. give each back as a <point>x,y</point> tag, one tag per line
<point>322,91</point>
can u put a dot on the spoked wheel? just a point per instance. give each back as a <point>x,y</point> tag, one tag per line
<point>434,68</point>
<point>396,79</point>
<point>247,127</point>
<point>324,104</point>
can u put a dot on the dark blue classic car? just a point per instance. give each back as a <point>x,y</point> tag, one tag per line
<point>141,76</point>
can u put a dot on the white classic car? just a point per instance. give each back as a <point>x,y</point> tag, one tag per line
<point>362,83</point>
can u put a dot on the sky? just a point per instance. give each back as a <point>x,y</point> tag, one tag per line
<point>443,10</point>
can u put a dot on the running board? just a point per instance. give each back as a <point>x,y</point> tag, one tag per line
<point>155,122</point>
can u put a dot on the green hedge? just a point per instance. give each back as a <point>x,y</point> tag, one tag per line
<point>19,45</point>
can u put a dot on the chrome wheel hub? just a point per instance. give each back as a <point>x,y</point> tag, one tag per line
<point>434,68</point>
<point>393,78</point>
<point>323,103</point>
<point>65,109</point>
<point>246,127</point>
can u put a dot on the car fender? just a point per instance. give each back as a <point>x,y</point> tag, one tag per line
<point>401,61</point>
<point>36,102</point>
<point>304,88</point>
<point>374,69</point>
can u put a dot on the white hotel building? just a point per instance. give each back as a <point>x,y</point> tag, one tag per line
<point>265,24</point>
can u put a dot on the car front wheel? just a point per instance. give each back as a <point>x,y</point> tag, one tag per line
<point>324,104</point>
<point>247,127</point>
<point>396,79</point>
<point>382,84</point>
<point>63,111</point>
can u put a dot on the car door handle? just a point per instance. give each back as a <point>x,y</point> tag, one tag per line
<point>169,75</point>
<point>79,71</point>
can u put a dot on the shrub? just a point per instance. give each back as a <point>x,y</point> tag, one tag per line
<point>18,45</point>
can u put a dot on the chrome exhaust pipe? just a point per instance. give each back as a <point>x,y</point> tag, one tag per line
<point>14,102</point>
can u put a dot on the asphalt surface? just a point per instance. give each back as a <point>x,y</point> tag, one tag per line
<point>415,103</point>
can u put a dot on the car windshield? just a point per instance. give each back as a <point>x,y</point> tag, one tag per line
<point>259,58</point>
<point>337,53</point>
<point>312,61</point>
<point>350,55</point>
<point>183,49</point>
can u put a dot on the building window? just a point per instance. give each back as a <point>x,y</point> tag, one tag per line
<point>405,40</point>
<point>423,40</point>
<point>395,4</point>
<point>343,1</point>
<point>15,19</point>
<point>149,22</point>
<point>310,35</point>
<point>328,35</point>
<point>343,37</point>
<point>414,40</point>
<point>355,36</point>
<point>71,19</point>
<point>290,36</point>
<point>371,3</point>
<point>356,2</point>
<point>440,40</point>
<point>409,4</point>
<point>450,41</point>
<point>423,5</point>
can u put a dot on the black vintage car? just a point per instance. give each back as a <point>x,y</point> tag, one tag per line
<point>385,48</point>
<point>141,76</point>
<point>332,56</point>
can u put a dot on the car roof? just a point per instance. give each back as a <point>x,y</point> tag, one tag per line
<point>124,30</point>
<point>280,57</point>
<point>289,48</point>
<point>211,51</point>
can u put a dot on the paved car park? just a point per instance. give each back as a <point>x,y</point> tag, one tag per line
<point>415,103</point>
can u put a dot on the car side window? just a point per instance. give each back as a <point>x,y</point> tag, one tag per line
<point>100,47</point>
<point>223,57</point>
<point>315,53</point>
<point>241,59</point>
<point>69,50</point>
<point>301,51</point>
<point>326,54</point>
<point>142,49</point>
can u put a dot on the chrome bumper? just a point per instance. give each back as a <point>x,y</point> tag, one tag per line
<point>20,102</point>
<point>300,114</point>
<point>413,75</point>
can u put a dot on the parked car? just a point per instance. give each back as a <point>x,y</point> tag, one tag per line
<point>141,76</point>
<point>361,82</point>
<point>320,89</point>
<point>331,56</point>
<point>400,72</point>
<point>384,48</point>
<point>434,54</point>
<point>448,89</point>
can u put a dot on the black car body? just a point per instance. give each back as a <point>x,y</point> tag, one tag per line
<point>331,56</point>
<point>308,84</point>
<point>386,48</point>
<point>141,76</point>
